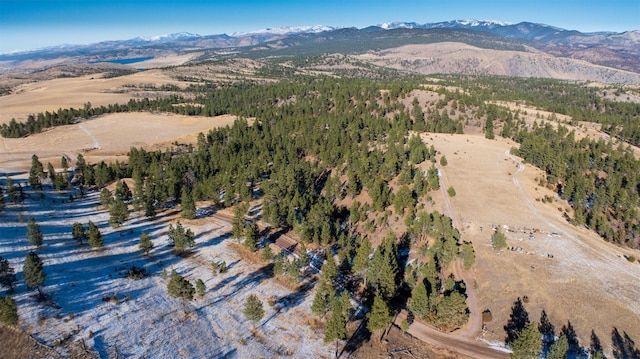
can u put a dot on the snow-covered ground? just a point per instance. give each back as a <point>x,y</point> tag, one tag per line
<point>145,321</point>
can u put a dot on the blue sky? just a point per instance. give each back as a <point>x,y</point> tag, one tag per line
<point>28,24</point>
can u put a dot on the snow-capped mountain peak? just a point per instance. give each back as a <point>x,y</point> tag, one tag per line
<point>288,30</point>
<point>167,37</point>
<point>473,22</point>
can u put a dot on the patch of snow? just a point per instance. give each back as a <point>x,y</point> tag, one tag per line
<point>90,298</point>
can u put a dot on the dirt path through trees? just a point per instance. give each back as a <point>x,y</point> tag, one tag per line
<point>474,326</point>
<point>437,339</point>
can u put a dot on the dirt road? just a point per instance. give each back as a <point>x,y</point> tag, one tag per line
<point>474,326</point>
<point>437,339</point>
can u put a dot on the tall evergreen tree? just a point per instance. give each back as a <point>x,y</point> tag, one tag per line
<point>187,204</point>
<point>138,191</point>
<point>420,306</point>
<point>498,240</point>
<point>34,233</point>
<point>12,191</point>
<point>337,324</point>
<point>237,223</point>
<point>518,320</point>
<point>7,274</point>
<point>122,191</point>
<point>380,316</point>
<point>145,244</point>
<point>559,349</point>
<point>78,233</point>
<point>180,287</point>
<point>253,309</point>
<point>106,200</point>
<point>33,272</point>
<point>329,270</point>
<point>2,201</point>
<point>149,207</point>
<point>36,173</point>
<point>118,213</point>
<point>181,237</point>
<point>201,289</point>
<point>251,236</point>
<point>94,236</point>
<point>325,292</point>
<point>81,164</point>
<point>528,344</point>
<point>384,269</point>
<point>361,259</point>
<point>8,311</point>
<point>51,172</point>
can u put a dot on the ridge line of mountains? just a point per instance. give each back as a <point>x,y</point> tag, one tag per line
<point>619,51</point>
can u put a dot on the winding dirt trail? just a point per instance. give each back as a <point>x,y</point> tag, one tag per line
<point>461,345</point>
<point>474,326</point>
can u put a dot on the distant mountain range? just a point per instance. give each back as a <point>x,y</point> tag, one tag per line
<point>617,50</point>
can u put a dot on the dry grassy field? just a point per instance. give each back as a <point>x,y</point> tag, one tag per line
<point>108,137</point>
<point>587,282</point>
<point>51,95</point>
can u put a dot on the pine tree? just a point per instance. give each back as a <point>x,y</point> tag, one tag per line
<point>498,240</point>
<point>149,207</point>
<point>78,232</point>
<point>80,165</point>
<point>122,191</point>
<point>518,320</point>
<point>95,237</point>
<point>468,255</point>
<point>267,254</point>
<point>51,172</point>
<point>528,344</point>
<point>8,311</point>
<point>329,270</point>
<point>7,274</point>
<point>304,256</point>
<point>337,324</point>
<point>180,287</point>
<point>451,311</point>
<point>380,316</point>
<point>138,192</point>
<point>322,299</point>
<point>181,238</point>
<point>188,205</point>
<point>361,259</point>
<point>237,223</point>
<point>12,191</point>
<point>145,244</point>
<point>251,236</point>
<point>33,272</point>
<point>36,173</point>
<point>2,202</point>
<point>105,198</point>
<point>420,300</point>
<point>118,213</point>
<point>34,234</point>
<point>201,289</point>
<point>63,163</point>
<point>559,349</point>
<point>384,270</point>
<point>253,309</point>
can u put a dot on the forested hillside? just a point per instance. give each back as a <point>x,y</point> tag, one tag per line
<point>344,166</point>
